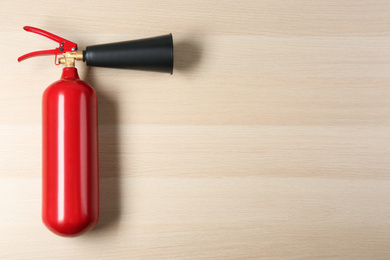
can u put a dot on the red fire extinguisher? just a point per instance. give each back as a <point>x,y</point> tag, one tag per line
<point>70,167</point>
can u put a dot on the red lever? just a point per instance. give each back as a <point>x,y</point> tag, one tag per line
<point>65,45</point>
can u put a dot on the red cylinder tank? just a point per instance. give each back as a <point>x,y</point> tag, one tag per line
<point>70,188</point>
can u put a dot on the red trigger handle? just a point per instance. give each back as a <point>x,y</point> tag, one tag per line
<point>65,45</point>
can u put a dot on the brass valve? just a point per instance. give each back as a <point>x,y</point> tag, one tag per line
<point>70,58</point>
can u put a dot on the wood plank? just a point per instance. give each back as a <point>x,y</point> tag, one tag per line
<point>271,140</point>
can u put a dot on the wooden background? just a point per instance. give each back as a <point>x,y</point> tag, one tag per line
<point>271,140</point>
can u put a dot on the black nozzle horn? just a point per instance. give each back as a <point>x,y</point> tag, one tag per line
<point>152,54</point>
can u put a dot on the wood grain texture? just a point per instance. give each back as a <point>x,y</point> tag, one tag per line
<point>270,141</point>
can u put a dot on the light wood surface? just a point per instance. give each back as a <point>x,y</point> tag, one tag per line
<point>271,140</point>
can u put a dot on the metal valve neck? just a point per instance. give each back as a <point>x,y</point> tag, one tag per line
<point>70,58</point>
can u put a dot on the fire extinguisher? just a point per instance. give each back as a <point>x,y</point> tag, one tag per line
<point>70,167</point>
